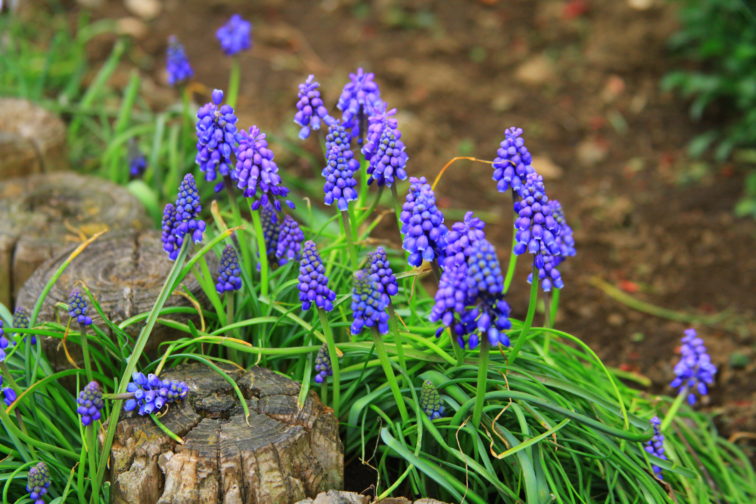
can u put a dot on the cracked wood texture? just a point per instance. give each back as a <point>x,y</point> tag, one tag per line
<point>32,139</point>
<point>125,274</point>
<point>42,214</point>
<point>283,454</point>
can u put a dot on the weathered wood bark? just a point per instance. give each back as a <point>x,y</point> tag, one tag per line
<point>281,456</point>
<point>339,497</point>
<point>42,214</point>
<point>32,139</point>
<point>125,273</point>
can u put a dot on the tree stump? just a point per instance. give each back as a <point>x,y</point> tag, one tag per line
<point>42,214</point>
<point>125,273</point>
<point>281,456</point>
<point>32,139</point>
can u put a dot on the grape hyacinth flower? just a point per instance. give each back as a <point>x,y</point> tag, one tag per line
<point>216,139</point>
<point>313,282</point>
<point>188,208</point>
<point>368,304</point>
<point>229,272</point>
<point>430,401</point>
<point>3,342</point>
<point>565,239</point>
<point>177,64</point>
<point>235,36</point>
<point>271,228</point>
<point>462,236</point>
<point>384,150</point>
<point>256,173</point>
<point>90,403</point>
<point>137,160</point>
<point>655,446</point>
<point>422,224</point>
<point>37,482</point>
<point>451,296</point>
<point>513,162</point>
<point>358,99</point>
<point>378,266</point>
<point>549,275</point>
<point>170,240</point>
<point>536,226</point>
<point>77,308</point>
<point>323,364</point>
<point>694,372</point>
<point>21,321</point>
<point>310,109</point>
<point>290,238</point>
<point>150,393</point>
<point>9,395</point>
<point>339,177</point>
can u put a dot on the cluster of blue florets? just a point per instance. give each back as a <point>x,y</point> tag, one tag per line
<point>513,162</point>
<point>217,139</point>
<point>339,170</point>
<point>695,371</point>
<point>289,243</point>
<point>310,108</point>
<point>422,224</point>
<point>4,342</point>
<point>379,267</point>
<point>177,64</point>
<point>229,271</point>
<point>182,218</point>
<point>235,36</point>
<point>358,99</point>
<point>150,393</point>
<point>256,173</point>
<point>21,321</point>
<point>90,403</point>
<point>323,367</point>
<point>77,308</point>
<point>384,150</point>
<point>9,395</point>
<point>313,282</point>
<point>655,446</point>
<point>369,304</point>
<point>37,482</point>
<point>271,226</point>
<point>430,401</point>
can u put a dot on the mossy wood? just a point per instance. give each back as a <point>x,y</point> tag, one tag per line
<point>41,215</point>
<point>125,274</point>
<point>32,139</point>
<point>281,455</point>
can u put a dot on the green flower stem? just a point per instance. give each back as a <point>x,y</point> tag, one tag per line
<point>380,348</point>
<point>366,215</point>
<point>230,316</point>
<point>141,341</point>
<point>306,375</point>
<point>91,436</point>
<point>393,319</point>
<point>363,181</point>
<point>397,207</point>
<point>262,251</point>
<point>234,77</point>
<point>512,265</point>
<point>551,313</point>
<point>673,409</point>
<point>85,352</point>
<point>334,356</point>
<point>480,389</point>
<point>350,239</point>
<point>528,318</point>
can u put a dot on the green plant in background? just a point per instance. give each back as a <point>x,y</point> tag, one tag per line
<point>453,414</point>
<point>720,37</point>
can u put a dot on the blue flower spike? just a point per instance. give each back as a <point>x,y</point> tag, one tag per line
<point>422,224</point>
<point>37,482</point>
<point>177,64</point>
<point>385,150</point>
<point>359,98</point>
<point>9,395</point>
<point>339,176</point>
<point>378,266</point>
<point>368,304</point>
<point>216,139</point>
<point>4,342</point>
<point>513,162</point>
<point>187,211</point>
<point>256,173</point>
<point>21,321</point>
<point>655,446</point>
<point>323,366</point>
<point>430,401</point>
<point>313,282</point>
<point>311,111</point>
<point>235,36</point>
<point>290,238</point>
<point>695,371</point>
<point>150,393</point>
<point>229,272</point>
<point>77,308</point>
<point>90,403</point>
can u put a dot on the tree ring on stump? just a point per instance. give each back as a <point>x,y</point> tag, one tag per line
<point>124,273</point>
<point>281,456</point>
<point>42,214</point>
<point>32,139</point>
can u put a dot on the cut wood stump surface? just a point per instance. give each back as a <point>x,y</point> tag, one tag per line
<point>124,273</point>
<point>43,214</point>
<point>340,497</point>
<point>281,455</point>
<point>32,139</point>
